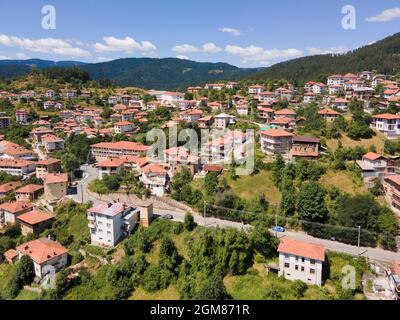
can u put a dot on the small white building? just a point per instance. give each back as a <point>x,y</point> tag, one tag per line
<point>123,127</point>
<point>110,223</point>
<point>45,255</point>
<point>300,260</point>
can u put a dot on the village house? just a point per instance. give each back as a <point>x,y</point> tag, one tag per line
<point>394,278</point>
<point>302,261</point>
<point>206,122</point>
<point>9,187</point>
<point>335,89</point>
<point>178,157</point>
<point>110,223</point>
<point>223,120</point>
<point>372,165</point>
<point>43,167</point>
<point>267,96</point>
<point>309,97</point>
<point>156,179</point>
<point>191,115</point>
<point>265,112</point>
<point>35,222</point>
<point>110,167</point>
<point>30,192</point>
<point>44,253</point>
<point>285,113</point>
<point>5,122</point>
<point>328,114</point>
<point>283,123</point>
<point>38,133</point>
<point>103,151</point>
<point>214,86</point>
<point>387,123</point>
<point>51,94</point>
<point>9,211</point>
<point>17,167</point>
<point>284,93</point>
<point>21,116</point>
<point>55,186</point>
<point>340,103</point>
<point>52,143</point>
<point>392,191</point>
<point>123,127</point>
<point>276,141</point>
<point>305,148</point>
<point>256,89</point>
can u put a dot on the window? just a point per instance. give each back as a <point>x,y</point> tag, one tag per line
<point>312,261</point>
<point>303,260</point>
<point>302,269</point>
<point>287,265</point>
<point>312,271</point>
<point>296,267</point>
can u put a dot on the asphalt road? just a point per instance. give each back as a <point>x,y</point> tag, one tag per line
<point>91,173</point>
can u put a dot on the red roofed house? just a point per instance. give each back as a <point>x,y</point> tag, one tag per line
<point>191,115</point>
<point>30,192</point>
<point>329,114</point>
<point>44,254</point>
<point>110,167</point>
<point>46,166</point>
<point>285,113</point>
<point>155,178</point>
<point>110,223</point>
<point>103,151</point>
<point>35,222</point>
<point>305,147</point>
<point>11,210</point>
<point>387,123</point>
<point>300,260</point>
<point>17,167</point>
<point>391,186</point>
<point>394,278</point>
<point>9,187</point>
<point>55,186</point>
<point>276,141</point>
<point>123,127</point>
<point>52,143</point>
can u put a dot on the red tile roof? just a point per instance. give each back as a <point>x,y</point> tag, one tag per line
<point>16,207</point>
<point>122,145</point>
<point>42,250</point>
<point>372,156</point>
<point>51,178</point>
<point>35,217</point>
<point>7,187</point>
<point>111,163</point>
<point>276,133</point>
<point>302,249</point>
<point>31,188</point>
<point>387,116</point>
<point>328,112</point>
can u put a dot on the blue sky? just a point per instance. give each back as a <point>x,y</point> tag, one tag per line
<point>247,33</point>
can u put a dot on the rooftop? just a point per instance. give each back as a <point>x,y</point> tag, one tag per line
<point>302,249</point>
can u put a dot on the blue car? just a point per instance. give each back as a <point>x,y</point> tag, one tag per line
<point>279,229</point>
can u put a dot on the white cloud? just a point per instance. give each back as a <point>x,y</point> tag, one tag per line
<point>5,58</point>
<point>180,56</point>
<point>385,15</point>
<point>253,54</point>
<point>22,56</point>
<point>332,50</point>
<point>233,32</point>
<point>45,45</point>
<point>185,48</point>
<point>128,45</point>
<point>209,47</point>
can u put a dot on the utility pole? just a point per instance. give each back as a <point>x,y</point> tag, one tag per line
<point>82,193</point>
<point>205,214</point>
<point>359,240</point>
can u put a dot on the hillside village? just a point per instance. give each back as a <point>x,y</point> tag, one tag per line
<point>80,192</point>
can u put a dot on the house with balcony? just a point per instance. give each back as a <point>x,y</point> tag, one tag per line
<point>156,179</point>
<point>391,186</point>
<point>373,165</point>
<point>44,253</point>
<point>329,114</point>
<point>10,211</point>
<point>110,223</point>
<point>276,142</point>
<point>49,165</point>
<point>299,260</point>
<point>52,143</point>
<point>387,123</point>
<point>305,148</point>
<point>111,166</point>
<point>123,127</point>
<point>256,89</point>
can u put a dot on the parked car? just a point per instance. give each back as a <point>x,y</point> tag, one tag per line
<point>168,217</point>
<point>279,229</point>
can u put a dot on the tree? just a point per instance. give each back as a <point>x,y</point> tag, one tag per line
<point>169,256</point>
<point>298,288</point>
<point>311,203</point>
<point>69,162</point>
<point>277,168</point>
<point>212,288</point>
<point>272,292</point>
<point>211,183</point>
<point>25,271</point>
<point>189,222</point>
